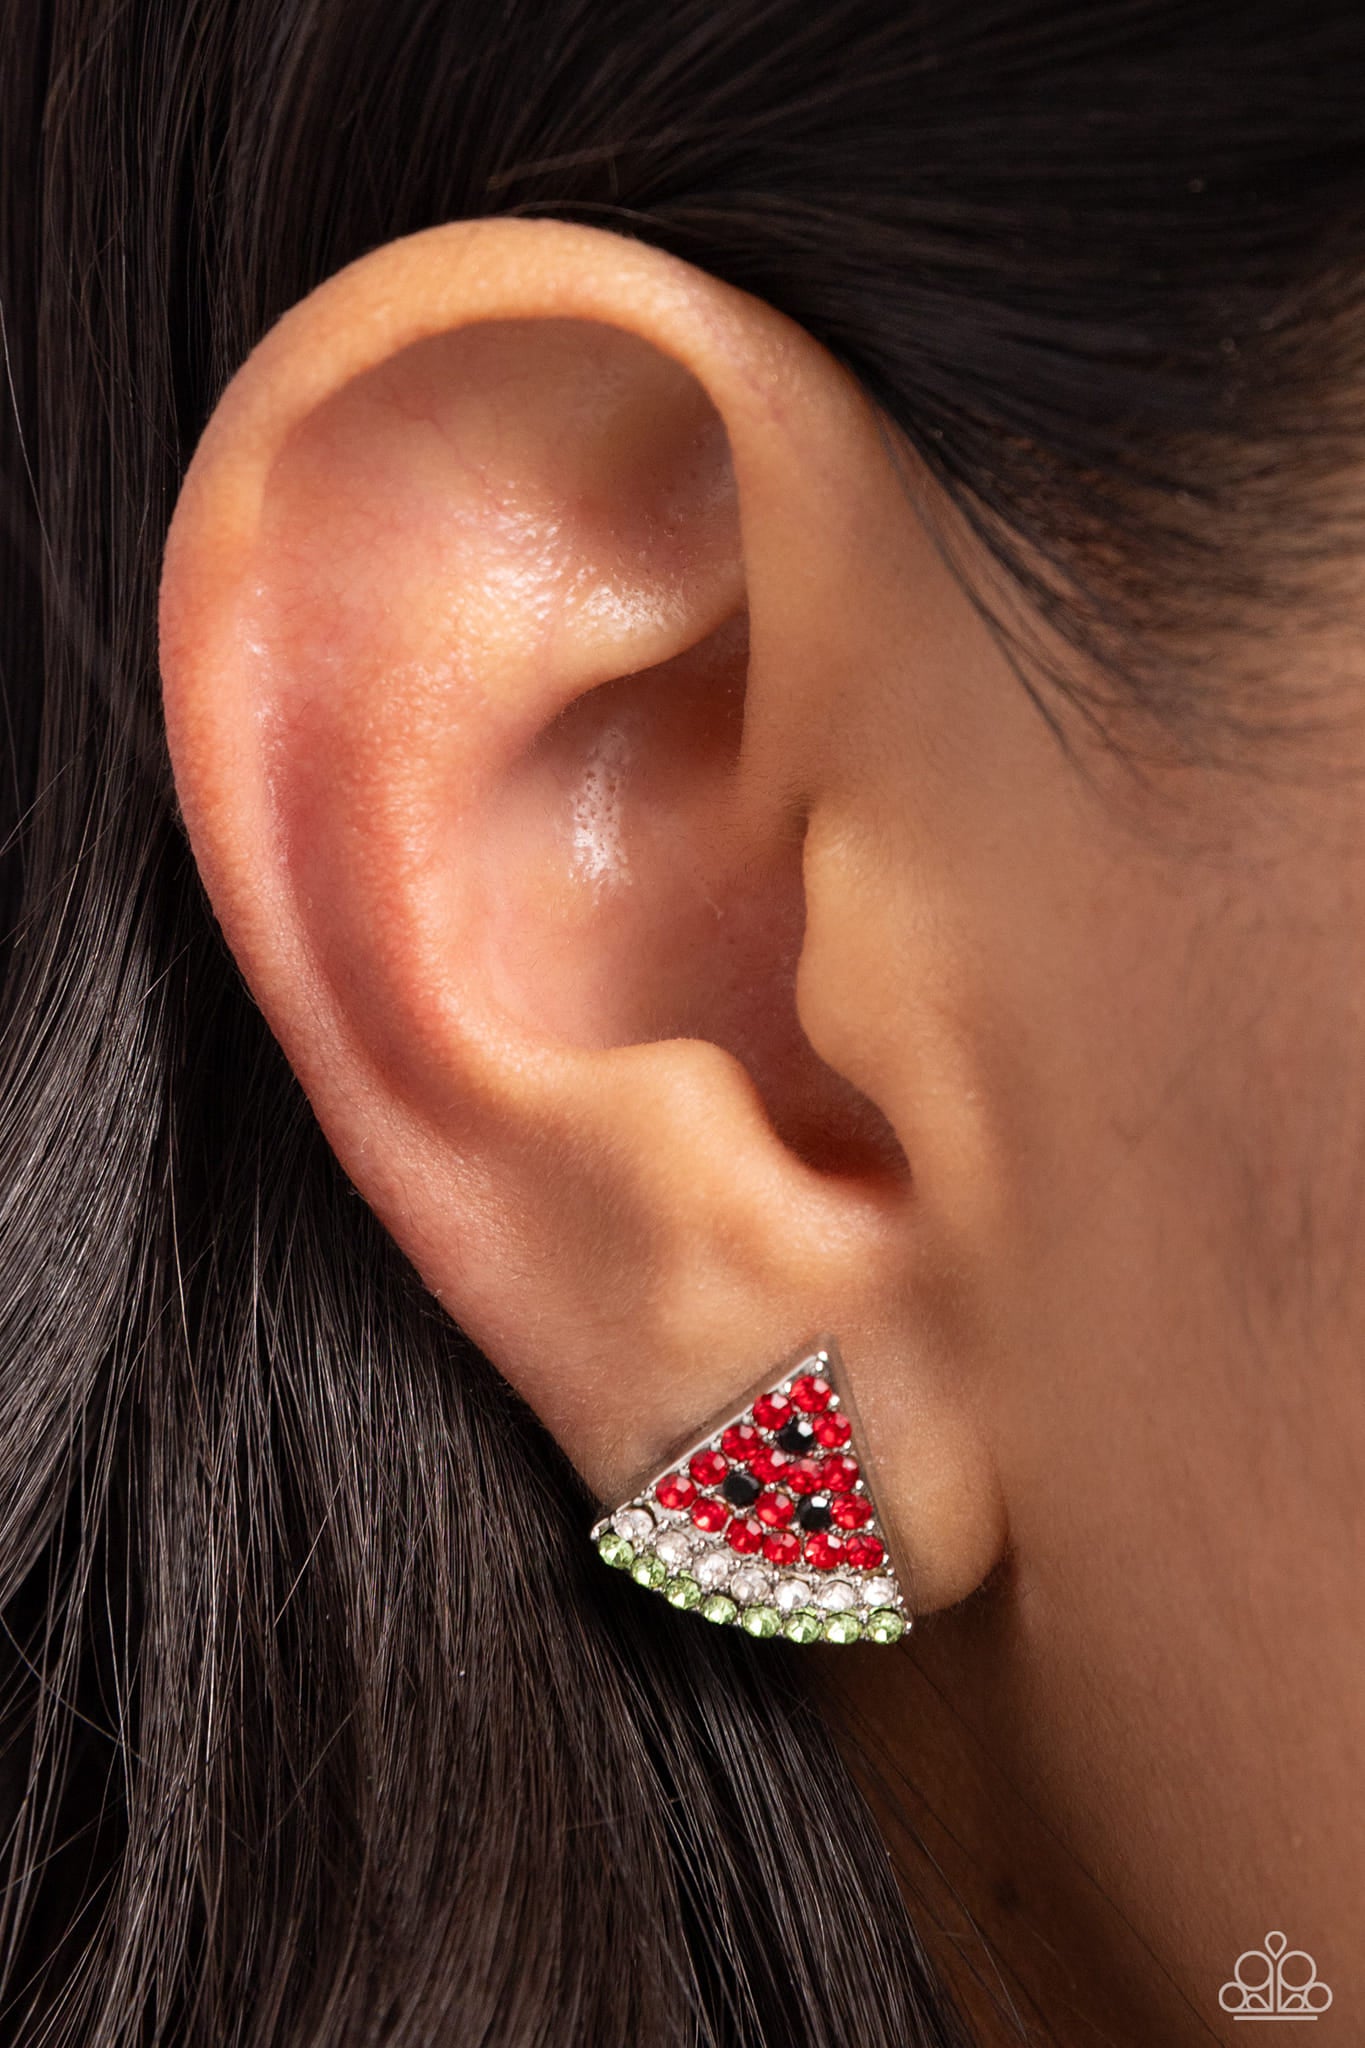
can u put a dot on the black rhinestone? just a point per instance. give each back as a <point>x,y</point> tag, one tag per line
<point>797,1436</point>
<point>813,1512</point>
<point>741,1489</point>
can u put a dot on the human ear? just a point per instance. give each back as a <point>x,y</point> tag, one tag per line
<point>518,597</point>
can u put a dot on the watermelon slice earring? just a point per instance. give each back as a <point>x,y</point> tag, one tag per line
<point>766,1522</point>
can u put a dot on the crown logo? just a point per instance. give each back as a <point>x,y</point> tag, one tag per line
<point>1275,1983</point>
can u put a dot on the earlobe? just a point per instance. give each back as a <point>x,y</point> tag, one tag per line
<point>499,622</point>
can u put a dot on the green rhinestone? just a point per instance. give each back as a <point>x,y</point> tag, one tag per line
<point>718,1608</point>
<point>614,1550</point>
<point>803,1626</point>
<point>761,1621</point>
<point>649,1571</point>
<point>683,1591</point>
<point>843,1628</point>
<point>885,1625</point>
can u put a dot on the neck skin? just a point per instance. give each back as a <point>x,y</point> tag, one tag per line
<point>1036,1941</point>
<point>1028,1940</point>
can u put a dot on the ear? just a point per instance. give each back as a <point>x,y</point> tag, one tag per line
<point>519,602</point>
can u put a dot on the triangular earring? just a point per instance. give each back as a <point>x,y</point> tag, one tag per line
<point>767,1521</point>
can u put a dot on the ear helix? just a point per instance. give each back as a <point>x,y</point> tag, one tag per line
<point>766,1522</point>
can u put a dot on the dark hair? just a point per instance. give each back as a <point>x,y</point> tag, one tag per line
<point>320,1722</point>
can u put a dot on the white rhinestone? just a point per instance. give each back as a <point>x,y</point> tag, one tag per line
<point>713,1570</point>
<point>837,1597</point>
<point>879,1592</point>
<point>750,1585</point>
<point>793,1593</point>
<point>635,1524</point>
<point>675,1546</point>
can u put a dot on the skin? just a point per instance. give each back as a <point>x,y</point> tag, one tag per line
<point>691,938</point>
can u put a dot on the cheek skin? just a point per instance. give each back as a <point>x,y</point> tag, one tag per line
<point>1181,1440</point>
<point>1147,1267</point>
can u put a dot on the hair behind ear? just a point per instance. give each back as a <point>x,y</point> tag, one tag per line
<point>320,1721</point>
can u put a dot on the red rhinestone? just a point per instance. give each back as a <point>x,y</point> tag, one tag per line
<point>772,1410</point>
<point>769,1464</point>
<point>710,1513</point>
<point>740,1441</point>
<point>802,1475</point>
<point>776,1509</point>
<point>833,1431</point>
<point>865,1551</point>
<point>708,1468</point>
<point>782,1548</point>
<point>675,1491</point>
<point>811,1393</point>
<point>851,1511</point>
<point>840,1475</point>
<point>745,1534</point>
<point>824,1551</point>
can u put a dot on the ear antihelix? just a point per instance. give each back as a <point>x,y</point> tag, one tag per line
<point>766,1520</point>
